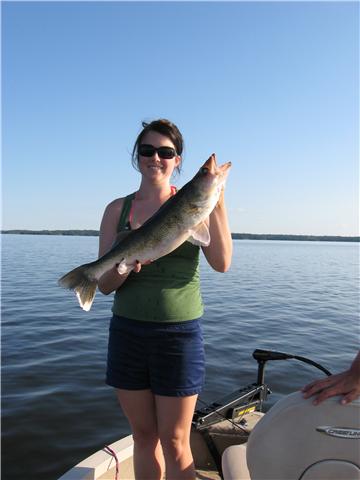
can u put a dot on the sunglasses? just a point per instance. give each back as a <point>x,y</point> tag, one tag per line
<point>163,152</point>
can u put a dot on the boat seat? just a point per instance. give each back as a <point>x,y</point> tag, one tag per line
<point>286,443</point>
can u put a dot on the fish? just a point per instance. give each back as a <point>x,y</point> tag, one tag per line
<point>181,218</point>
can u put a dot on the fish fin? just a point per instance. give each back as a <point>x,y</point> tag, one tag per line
<point>200,235</point>
<point>84,285</point>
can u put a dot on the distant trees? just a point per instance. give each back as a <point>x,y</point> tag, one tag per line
<point>82,233</point>
<point>235,236</point>
<point>307,238</point>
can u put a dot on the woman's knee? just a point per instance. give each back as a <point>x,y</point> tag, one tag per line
<point>174,443</point>
<point>144,437</point>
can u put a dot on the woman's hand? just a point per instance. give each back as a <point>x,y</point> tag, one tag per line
<point>221,201</point>
<point>219,252</point>
<point>136,268</point>
<point>113,278</point>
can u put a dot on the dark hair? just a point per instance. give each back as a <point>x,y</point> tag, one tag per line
<point>164,127</point>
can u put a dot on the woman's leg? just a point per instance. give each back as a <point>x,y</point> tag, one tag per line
<point>139,408</point>
<point>174,416</point>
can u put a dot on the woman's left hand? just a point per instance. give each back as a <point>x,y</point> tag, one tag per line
<point>219,252</point>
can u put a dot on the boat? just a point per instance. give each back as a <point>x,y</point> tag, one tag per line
<point>233,439</point>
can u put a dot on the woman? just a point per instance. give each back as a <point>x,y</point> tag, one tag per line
<point>156,354</point>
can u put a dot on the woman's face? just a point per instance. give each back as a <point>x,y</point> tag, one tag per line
<point>156,168</point>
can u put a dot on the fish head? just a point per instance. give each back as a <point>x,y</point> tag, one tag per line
<point>211,177</point>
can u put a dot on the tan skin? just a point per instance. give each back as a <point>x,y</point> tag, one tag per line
<point>346,384</point>
<point>162,431</point>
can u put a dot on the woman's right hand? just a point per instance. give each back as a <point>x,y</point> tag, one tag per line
<point>113,278</point>
<point>136,268</point>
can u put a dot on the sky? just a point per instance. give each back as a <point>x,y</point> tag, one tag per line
<point>270,86</point>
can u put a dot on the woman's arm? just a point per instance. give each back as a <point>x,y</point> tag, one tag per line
<point>219,252</point>
<point>111,280</point>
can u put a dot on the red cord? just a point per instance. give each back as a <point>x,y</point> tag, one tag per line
<point>111,452</point>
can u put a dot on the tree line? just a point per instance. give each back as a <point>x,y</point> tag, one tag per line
<point>235,236</point>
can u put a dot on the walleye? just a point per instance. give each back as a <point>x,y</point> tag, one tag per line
<point>179,219</point>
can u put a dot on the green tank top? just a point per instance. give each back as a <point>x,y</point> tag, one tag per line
<point>166,290</point>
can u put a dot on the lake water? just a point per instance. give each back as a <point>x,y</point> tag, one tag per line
<point>296,297</point>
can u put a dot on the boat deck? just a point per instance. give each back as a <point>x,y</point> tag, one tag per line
<point>126,473</point>
<point>206,451</point>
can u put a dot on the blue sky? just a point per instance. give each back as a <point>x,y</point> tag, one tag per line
<point>272,87</point>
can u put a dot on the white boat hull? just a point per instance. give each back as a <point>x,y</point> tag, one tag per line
<point>102,465</point>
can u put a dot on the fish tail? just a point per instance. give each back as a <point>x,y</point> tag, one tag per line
<point>83,282</point>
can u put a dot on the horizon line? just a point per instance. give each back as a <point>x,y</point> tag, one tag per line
<point>95,232</point>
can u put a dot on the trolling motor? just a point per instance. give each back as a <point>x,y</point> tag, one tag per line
<point>248,399</point>
<point>262,356</point>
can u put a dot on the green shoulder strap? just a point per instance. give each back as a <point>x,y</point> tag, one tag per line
<point>124,215</point>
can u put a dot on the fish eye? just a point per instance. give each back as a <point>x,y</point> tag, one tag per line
<point>204,170</point>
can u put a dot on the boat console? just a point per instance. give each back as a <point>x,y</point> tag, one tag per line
<point>296,440</point>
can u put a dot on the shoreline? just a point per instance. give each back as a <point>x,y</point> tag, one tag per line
<point>235,236</point>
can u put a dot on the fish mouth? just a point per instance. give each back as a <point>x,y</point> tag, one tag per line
<point>214,168</point>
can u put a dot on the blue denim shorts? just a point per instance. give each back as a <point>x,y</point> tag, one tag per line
<point>167,358</point>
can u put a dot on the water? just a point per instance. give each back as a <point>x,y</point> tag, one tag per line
<point>297,297</point>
